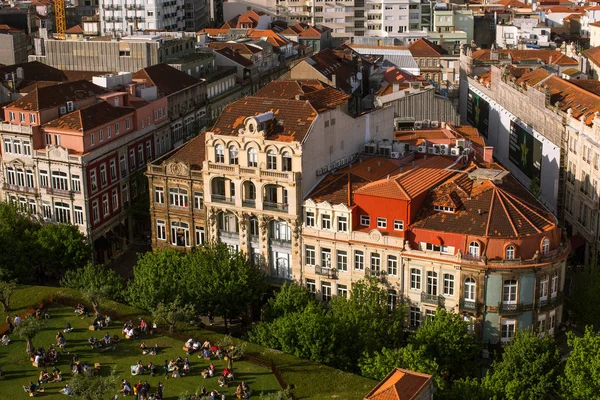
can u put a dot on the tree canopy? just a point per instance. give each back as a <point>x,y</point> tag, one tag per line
<point>61,248</point>
<point>173,312</point>
<point>97,283</point>
<point>582,371</point>
<point>528,369</point>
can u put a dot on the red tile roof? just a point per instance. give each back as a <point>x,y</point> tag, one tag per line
<point>424,48</point>
<point>593,54</point>
<point>400,384</point>
<point>8,28</point>
<point>241,48</point>
<point>34,71</point>
<point>270,36</point>
<point>413,181</point>
<point>75,30</point>
<point>88,118</point>
<point>534,77</point>
<point>485,208</point>
<point>338,187</point>
<point>192,153</point>
<point>234,56</point>
<point>292,121</point>
<point>168,80</point>
<point>42,98</point>
<point>321,96</point>
<point>552,57</point>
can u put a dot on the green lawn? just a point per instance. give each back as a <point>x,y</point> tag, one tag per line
<point>311,381</point>
<point>18,369</point>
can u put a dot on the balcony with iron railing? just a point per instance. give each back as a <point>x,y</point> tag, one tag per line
<point>505,308</point>
<point>17,188</point>
<point>249,203</point>
<point>231,235</point>
<point>431,299</point>
<point>281,242</point>
<point>270,206</point>
<point>252,172</point>
<point>326,271</point>
<point>220,198</point>
<point>469,305</point>
<point>551,302</point>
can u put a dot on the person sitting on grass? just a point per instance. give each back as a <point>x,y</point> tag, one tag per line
<point>206,354</point>
<point>159,392</point>
<point>107,320</point>
<point>144,348</point>
<point>116,339</point>
<point>203,392</point>
<point>129,333</point>
<point>5,340</point>
<point>66,390</point>
<point>222,381</point>
<point>188,345</point>
<point>44,376</point>
<point>125,388</point>
<point>57,375</point>
<point>143,327</point>
<point>62,344</point>
<point>92,342</point>
<point>214,395</point>
<point>152,368</point>
<point>80,310</point>
<point>58,337</point>
<point>154,350</point>
<point>166,369</point>
<point>186,367</point>
<point>68,328</point>
<point>176,373</point>
<point>106,338</point>
<point>52,355</point>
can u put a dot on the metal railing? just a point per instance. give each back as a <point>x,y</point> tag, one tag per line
<point>229,235</point>
<point>282,207</point>
<point>219,198</point>
<point>469,305</point>
<point>325,271</point>
<point>504,308</point>
<point>280,242</point>
<point>431,299</point>
<point>250,203</point>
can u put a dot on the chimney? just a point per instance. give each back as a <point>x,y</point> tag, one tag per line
<point>488,154</point>
<point>396,87</point>
<point>20,73</point>
<point>368,169</point>
<point>333,80</point>
<point>379,163</point>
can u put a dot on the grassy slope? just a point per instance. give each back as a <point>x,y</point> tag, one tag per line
<point>311,381</point>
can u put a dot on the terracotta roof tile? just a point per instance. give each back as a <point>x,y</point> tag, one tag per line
<point>42,98</point>
<point>485,208</point>
<point>533,78</point>
<point>424,48</point>
<point>570,96</point>
<point>292,121</point>
<point>551,57</point>
<point>338,187</point>
<point>425,174</point>
<point>192,153</point>
<point>77,29</point>
<point>320,95</point>
<point>89,117</point>
<point>168,80</point>
<point>34,71</point>
<point>593,54</point>
<point>400,384</point>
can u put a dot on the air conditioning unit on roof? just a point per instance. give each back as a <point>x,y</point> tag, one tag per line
<point>455,151</point>
<point>395,154</point>
<point>422,149</point>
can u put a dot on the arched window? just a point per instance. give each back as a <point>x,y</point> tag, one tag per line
<point>233,155</point>
<point>545,246</point>
<point>252,157</point>
<point>286,161</point>
<point>510,252</point>
<point>474,249</point>
<point>271,160</point>
<point>470,289</point>
<point>219,154</point>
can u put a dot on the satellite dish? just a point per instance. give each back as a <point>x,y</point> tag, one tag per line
<point>359,75</point>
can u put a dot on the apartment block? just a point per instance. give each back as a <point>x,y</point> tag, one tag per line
<point>122,19</point>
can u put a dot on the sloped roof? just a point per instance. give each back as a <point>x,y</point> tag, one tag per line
<point>270,36</point>
<point>486,208</point>
<point>192,153</point>
<point>34,71</point>
<point>413,181</point>
<point>45,97</point>
<point>321,96</point>
<point>234,56</point>
<point>293,119</point>
<point>328,63</point>
<point>511,3</point>
<point>89,117</point>
<point>547,56</point>
<point>534,77</point>
<point>425,48</point>
<point>75,30</point>
<point>241,48</point>
<point>400,384</point>
<point>168,80</point>
<point>593,54</point>
<point>338,187</point>
<point>8,28</point>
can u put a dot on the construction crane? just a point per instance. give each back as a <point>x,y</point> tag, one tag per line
<point>61,21</point>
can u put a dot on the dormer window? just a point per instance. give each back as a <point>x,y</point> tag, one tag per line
<point>444,209</point>
<point>365,220</point>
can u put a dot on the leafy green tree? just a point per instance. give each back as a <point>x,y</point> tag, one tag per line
<point>446,340</point>
<point>529,369</point>
<point>366,321</point>
<point>223,281</point>
<point>585,296</point>
<point>378,364</point>
<point>158,277</point>
<point>581,379</point>
<point>232,350</point>
<point>88,386</point>
<point>311,334</point>
<point>17,231</point>
<point>60,248</point>
<point>172,313</point>
<point>289,299</point>
<point>465,389</point>
<point>97,284</point>
<point>27,329</point>
<point>7,289</point>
